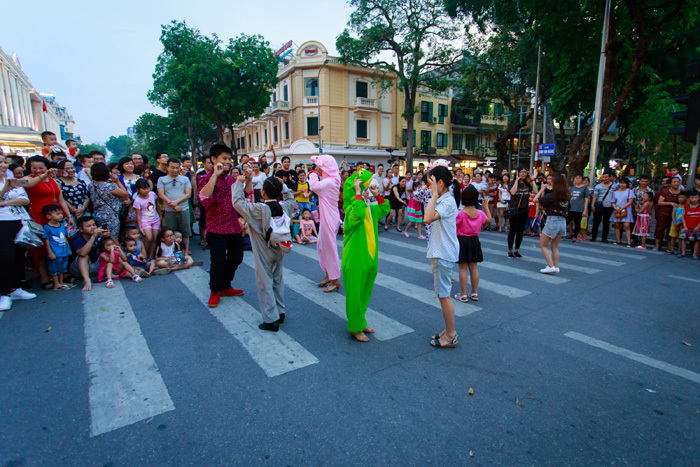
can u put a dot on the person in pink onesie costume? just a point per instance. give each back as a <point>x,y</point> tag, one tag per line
<point>328,191</point>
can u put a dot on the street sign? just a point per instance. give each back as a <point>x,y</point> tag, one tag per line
<point>547,149</point>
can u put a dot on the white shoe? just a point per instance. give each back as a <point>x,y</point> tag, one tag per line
<point>548,270</point>
<point>557,270</point>
<point>5,303</point>
<point>21,294</point>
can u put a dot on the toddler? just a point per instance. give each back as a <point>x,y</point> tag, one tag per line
<point>113,264</point>
<point>56,245</point>
<point>677,226</point>
<point>147,218</point>
<point>307,229</point>
<point>469,223</point>
<point>641,227</point>
<point>533,222</point>
<point>169,255</point>
<point>143,266</point>
<point>691,224</point>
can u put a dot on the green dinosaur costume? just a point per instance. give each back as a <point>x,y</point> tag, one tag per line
<point>360,255</point>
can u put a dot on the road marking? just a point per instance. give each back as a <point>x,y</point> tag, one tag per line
<point>565,266</point>
<point>500,289</point>
<point>685,278</point>
<point>385,327</point>
<point>583,245</point>
<point>489,265</point>
<point>415,292</point>
<point>125,383</point>
<point>275,352</point>
<point>587,259</point>
<point>668,368</point>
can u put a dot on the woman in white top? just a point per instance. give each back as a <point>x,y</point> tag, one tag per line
<point>503,200</point>
<point>12,201</point>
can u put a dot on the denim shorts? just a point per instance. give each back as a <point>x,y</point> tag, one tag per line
<point>442,277</point>
<point>58,266</point>
<point>554,227</point>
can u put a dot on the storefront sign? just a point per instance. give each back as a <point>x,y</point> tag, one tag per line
<point>310,51</point>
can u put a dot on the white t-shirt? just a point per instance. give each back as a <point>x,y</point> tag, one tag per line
<point>482,186</point>
<point>84,177</point>
<point>13,213</point>
<point>257,180</point>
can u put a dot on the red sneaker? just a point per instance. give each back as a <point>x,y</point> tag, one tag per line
<point>214,298</point>
<point>231,292</point>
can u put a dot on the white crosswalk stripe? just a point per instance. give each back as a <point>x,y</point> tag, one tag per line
<point>488,265</point>
<point>125,383</point>
<point>385,327</point>
<point>415,292</point>
<point>275,352</point>
<point>589,247</point>
<point>684,278</point>
<point>540,260</point>
<point>531,247</point>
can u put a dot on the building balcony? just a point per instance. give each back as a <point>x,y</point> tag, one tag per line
<point>365,103</point>
<point>280,106</point>
<point>462,152</point>
<point>493,120</point>
<point>310,100</point>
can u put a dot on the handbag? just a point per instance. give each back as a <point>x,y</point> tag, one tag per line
<point>621,214</point>
<point>29,236</point>
<point>512,212</point>
<point>599,204</point>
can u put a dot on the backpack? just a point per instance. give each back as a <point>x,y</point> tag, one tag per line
<point>279,234</point>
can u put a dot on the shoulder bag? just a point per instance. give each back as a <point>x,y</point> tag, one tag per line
<point>599,204</point>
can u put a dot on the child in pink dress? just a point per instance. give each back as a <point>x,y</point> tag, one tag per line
<point>147,218</point>
<point>469,223</point>
<point>641,227</point>
<point>113,264</point>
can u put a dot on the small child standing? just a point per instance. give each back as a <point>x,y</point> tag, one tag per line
<point>677,225</point>
<point>56,245</point>
<point>268,260</point>
<point>691,224</point>
<point>533,222</point>
<point>147,218</point>
<point>443,248</point>
<point>302,195</point>
<point>307,229</point>
<point>414,212</point>
<point>469,223</point>
<point>113,264</point>
<point>641,227</point>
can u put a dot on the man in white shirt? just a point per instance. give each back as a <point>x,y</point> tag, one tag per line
<point>379,176</point>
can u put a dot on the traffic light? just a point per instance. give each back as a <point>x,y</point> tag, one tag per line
<point>691,116</point>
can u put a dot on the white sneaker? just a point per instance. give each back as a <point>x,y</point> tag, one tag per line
<point>557,270</point>
<point>5,303</point>
<point>548,270</point>
<point>21,294</point>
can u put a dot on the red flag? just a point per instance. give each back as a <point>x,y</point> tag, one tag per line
<point>44,102</point>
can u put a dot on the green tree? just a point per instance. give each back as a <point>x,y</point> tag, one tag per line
<point>419,34</point>
<point>120,146</point>
<point>201,82</point>
<point>87,148</point>
<point>161,134</point>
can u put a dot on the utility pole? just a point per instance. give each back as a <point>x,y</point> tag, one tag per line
<point>599,97</point>
<point>318,102</point>
<point>534,113</point>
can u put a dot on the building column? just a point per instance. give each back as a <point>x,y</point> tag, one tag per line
<point>3,98</point>
<point>8,98</point>
<point>21,104</point>
<point>30,110</point>
<point>15,101</point>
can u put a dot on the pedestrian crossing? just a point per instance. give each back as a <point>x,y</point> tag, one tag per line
<point>562,254</point>
<point>126,385</point>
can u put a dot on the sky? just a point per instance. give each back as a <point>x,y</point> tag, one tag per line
<point>98,57</point>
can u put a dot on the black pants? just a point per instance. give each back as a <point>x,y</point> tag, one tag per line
<point>575,217</point>
<point>202,221</point>
<point>11,257</point>
<point>226,252</point>
<point>517,227</point>
<point>604,214</point>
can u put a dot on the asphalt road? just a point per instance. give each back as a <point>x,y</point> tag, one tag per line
<point>585,368</point>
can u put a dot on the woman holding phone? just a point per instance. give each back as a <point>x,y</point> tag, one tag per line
<point>106,193</point>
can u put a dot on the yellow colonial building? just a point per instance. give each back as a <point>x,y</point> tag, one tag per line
<point>318,101</point>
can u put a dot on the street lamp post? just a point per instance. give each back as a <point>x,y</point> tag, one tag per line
<point>534,113</point>
<point>598,113</point>
<point>318,102</point>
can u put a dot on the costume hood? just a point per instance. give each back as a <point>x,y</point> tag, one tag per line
<point>328,165</point>
<point>349,187</point>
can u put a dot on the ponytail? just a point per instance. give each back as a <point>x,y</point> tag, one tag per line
<point>457,191</point>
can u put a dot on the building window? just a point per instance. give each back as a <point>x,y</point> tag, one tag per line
<point>361,89</point>
<point>250,141</point>
<point>257,138</point>
<point>441,140</point>
<point>265,137</point>
<point>457,141</point>
<point>426,111</point>
<point>442,113</point>
<point>286,130</point>
<point>311,126</point>
<point>274,96</point>
<point>311,87</point>
<point>285,93</point>
<point>404,138</point>
<point>425,141</point>
<point>361,127</point>
<point>274,134</point>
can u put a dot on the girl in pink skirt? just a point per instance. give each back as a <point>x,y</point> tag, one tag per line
<point>641,227</point>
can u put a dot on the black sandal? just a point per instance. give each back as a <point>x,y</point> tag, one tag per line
<point>452,343</point>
